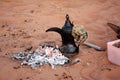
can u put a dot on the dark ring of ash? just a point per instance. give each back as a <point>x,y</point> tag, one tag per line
<point>42,55</point>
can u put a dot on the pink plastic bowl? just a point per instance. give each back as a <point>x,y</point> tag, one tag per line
<point>114,52</point>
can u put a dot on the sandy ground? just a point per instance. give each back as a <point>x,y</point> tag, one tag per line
<point>23,24</point>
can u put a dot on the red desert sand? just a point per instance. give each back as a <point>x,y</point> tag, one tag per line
<point>23,24</point>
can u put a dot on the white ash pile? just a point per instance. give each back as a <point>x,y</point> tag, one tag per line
<point>42,55</point>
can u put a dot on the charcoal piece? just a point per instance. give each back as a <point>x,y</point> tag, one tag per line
<point>115,28</point>
<point>29,48</point>
<point>19,56</point>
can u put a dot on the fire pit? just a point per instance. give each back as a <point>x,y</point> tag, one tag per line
<point>42,55</point>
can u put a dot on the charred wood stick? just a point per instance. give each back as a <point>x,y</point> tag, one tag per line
<point>98,48</point>
<point>114,27</point>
